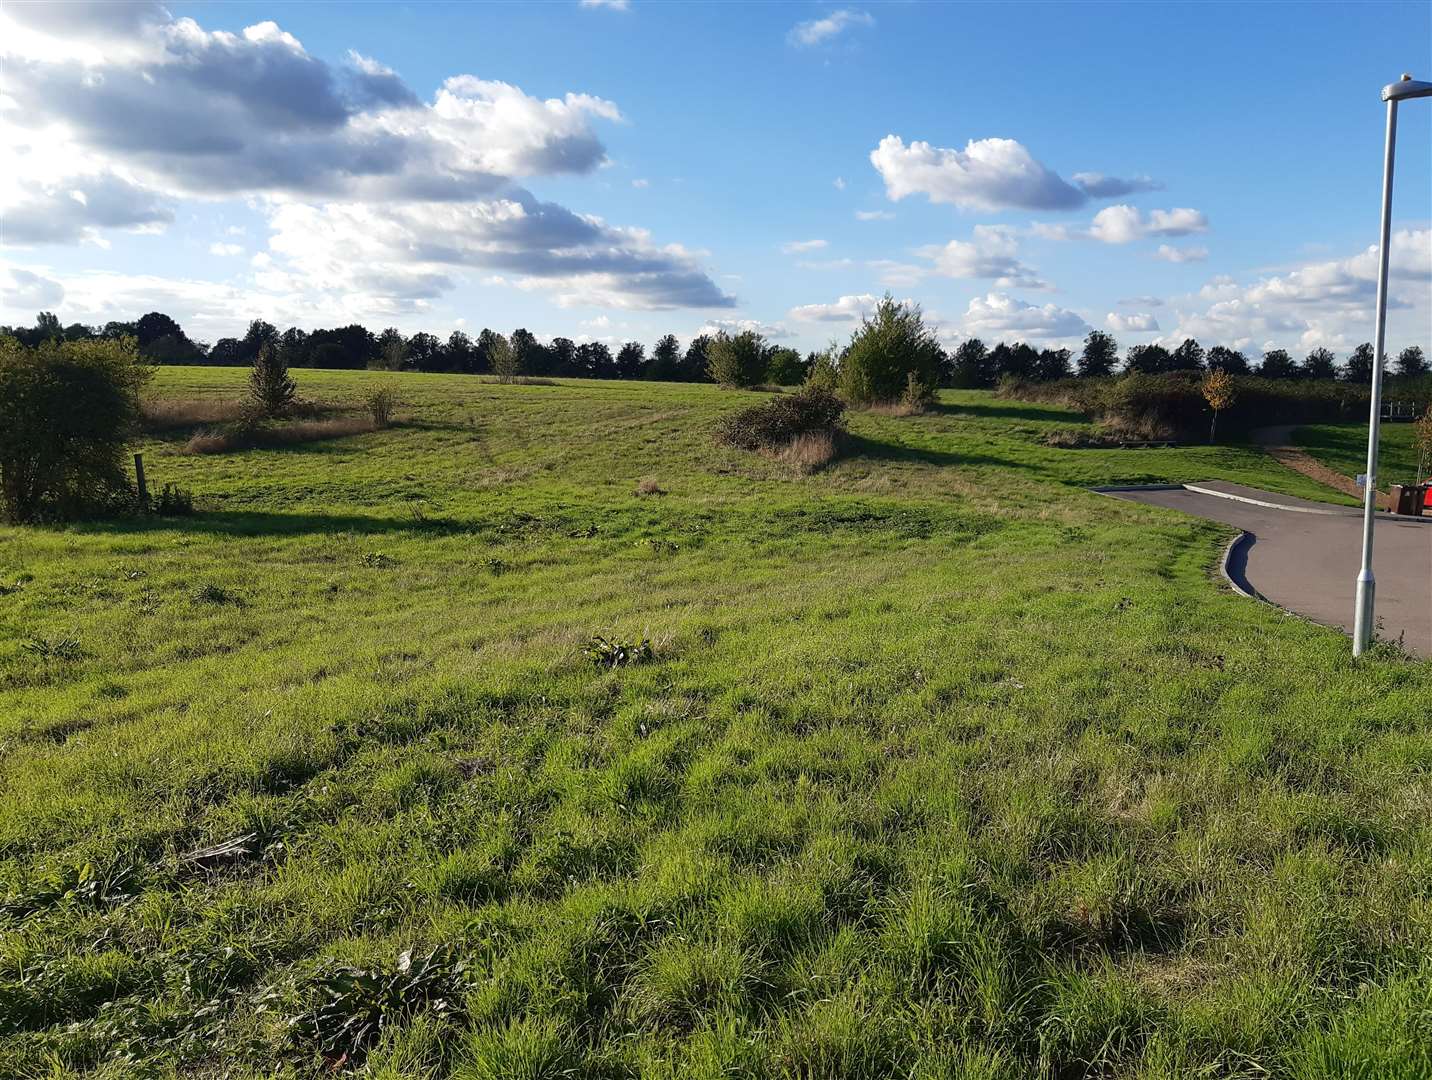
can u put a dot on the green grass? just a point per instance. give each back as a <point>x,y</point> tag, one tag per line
<point>1344,447</point>
<point>941,766</point>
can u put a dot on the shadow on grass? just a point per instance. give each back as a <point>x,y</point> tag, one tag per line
<point>1013,410</point>
<point>260,523</point>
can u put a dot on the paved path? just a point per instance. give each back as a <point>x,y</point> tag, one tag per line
<point>1304,556</point>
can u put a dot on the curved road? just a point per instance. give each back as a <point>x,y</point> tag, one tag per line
<point>1304,556</point>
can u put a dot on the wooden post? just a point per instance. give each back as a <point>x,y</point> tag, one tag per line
<point>139,478</point>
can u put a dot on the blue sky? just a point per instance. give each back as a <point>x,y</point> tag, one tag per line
<point>1022,170</point>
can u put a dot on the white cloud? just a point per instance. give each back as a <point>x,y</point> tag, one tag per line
<point>1141,301</point>
<point>989,253</point>
<point>26,291</point>
<point>1098,186</point>
<point>874,215</point>
<point>1169,253</point>
<point>739,326</point>
<point>846,309</point>
<point>1132,323</point>
<point>898,273</point>
<point>225,249</point>
<point>826,264</point>
<point>988,174</point>
<point>610,5</point>
<point>797,247</point>
<point>839,183</point>
<point>1123,224</point>
<point>818,30</point>
<point>641,183</point>
<point>999,315</point>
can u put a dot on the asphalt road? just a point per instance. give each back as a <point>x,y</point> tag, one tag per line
<point>1304,557</point>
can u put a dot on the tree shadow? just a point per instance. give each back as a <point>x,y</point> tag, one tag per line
<point>858,446</point>
<point>1013,411</point>
<point>254,523</point>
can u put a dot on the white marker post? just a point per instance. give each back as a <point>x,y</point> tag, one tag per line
<point>1406,89</point>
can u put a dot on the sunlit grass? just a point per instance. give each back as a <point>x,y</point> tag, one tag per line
<point>941,765</point>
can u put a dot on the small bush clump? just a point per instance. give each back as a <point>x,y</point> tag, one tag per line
<point>174,501</point>
<point>271,388</point>
<point>380,401</point>
<point>609,653</point>
<point>649,486</point>
<point>777,423</point>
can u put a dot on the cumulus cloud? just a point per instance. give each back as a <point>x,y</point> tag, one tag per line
<point>1132,323</point>
<point>874,215</point>
<point>989,253</point>
<point>23,290</point>
<point>1123,224</point>
<point>825,264</point>
<point>224,250</point>
<point>610,5</point>
<point>1328,303</point>
<point>1169,253</point>
<point>797,247</point>
<point>171,110</point>
<point>775,331</point>
<point>1098,186</point>
<point>988,174</point>
<point>1000,314</point>
<point>846,309</point>
<point>1141,301</point>
<point>816,31</point>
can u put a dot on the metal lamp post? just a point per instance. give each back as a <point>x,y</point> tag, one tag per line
<point>1366,583</point>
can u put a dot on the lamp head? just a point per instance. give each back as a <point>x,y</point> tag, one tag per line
<point>1406,87</point>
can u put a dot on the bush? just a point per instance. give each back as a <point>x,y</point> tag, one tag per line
<point>736,361</point>
<point>778,422</point>
<point>380,401</point>
<point>67,413</point>
<point>824,374</point>
<point>174,501</point>
<point>892,349</point>
<point>271,388</point>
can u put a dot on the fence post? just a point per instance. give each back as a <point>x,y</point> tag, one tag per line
<point>139,478</point>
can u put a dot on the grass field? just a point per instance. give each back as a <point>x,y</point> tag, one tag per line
<point>940,766</point>
<point>1344,447</point>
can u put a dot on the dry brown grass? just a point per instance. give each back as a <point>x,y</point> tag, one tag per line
<point>299,431</point>
<point>899,407</point>
<point>649,486</point>
<point>809,453</point>
<point>168,413</point>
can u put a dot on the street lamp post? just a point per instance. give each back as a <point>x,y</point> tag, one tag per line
<point>1366,584</point>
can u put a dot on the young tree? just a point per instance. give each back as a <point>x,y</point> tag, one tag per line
<point>1277,364</point>
<point>1100,355</point>
<point>506,364</point>
<point>1222,358</point>
<point>1359,364</point>
<point>67,412</point>
<point>784,367</point>
<point>1220,393</point>
<point>1422,443</point>
<point>738,360</point>
<point>392,349</point>
<point>822,368</point>
<point>1411,362</point>
<point>972,367</point>
<point>1320,364</point>
<point>891,344</point>
<point>271,387</point>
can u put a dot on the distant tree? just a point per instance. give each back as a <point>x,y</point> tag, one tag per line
<point>425,352</point>
<point>328,354</point>
<point>171,349</point>
<point>528,352</point>
<point>694,363</point>
<point>737,360</point>
<point>1052,364</point>
<point>259,334</point>
<point>595,360</point>
<point>1220,393</point>
<point>823,368</point>
<point>486,342</point>
<point>506,364</point>
<point>631,358</point>
<point>357,347</point>
<point>1411,362</point>
<point>1100,355</point>
<point>665,362</point>
<point>1277,364</point>
<point>156,325</point>
<point>459,353</point>
<point>67,412</point>
<point>1020,362</point>
<point>392,350</point>
<point>564,356</point>
<point>117,330</point>
<point>972,367</point>
<point>1187,357</point>
<point>1148,359</point>
<point>1359,365</point>
<point>1320,364</point>
<point>293,347</point>
<point>80,332</point>
<point>271,388</point>
<point>784,367</point>
<point>1221,358</point>
<point>48,328</point>
<point>891,352</point>
<point>227,352</point>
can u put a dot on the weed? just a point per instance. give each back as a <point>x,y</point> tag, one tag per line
<point>174,501</point>
<point>649,486</point>
<point>377,560</point>
<point>209,593</point>
<point>64,649</point>
<point>608,653</point>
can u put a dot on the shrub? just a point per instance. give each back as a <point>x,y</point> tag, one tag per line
<point>776,423</point>
<point>738,360</point>
<point>271,388</point>
<point>784,367</point>
<point>610,653</point>
<point>174,501</point>
<point>649,486</point>
<point>891,347</point>
<point>380,401</point>
<point>823,373</point>
<point>1220,393</point>
<point>67,413</point>
<point>506,363</point>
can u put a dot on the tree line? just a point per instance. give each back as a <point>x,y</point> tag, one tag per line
<point>972,364</point>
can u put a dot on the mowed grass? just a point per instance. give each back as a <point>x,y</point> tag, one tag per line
<point>1344,447</point>
<point>941,766</point>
